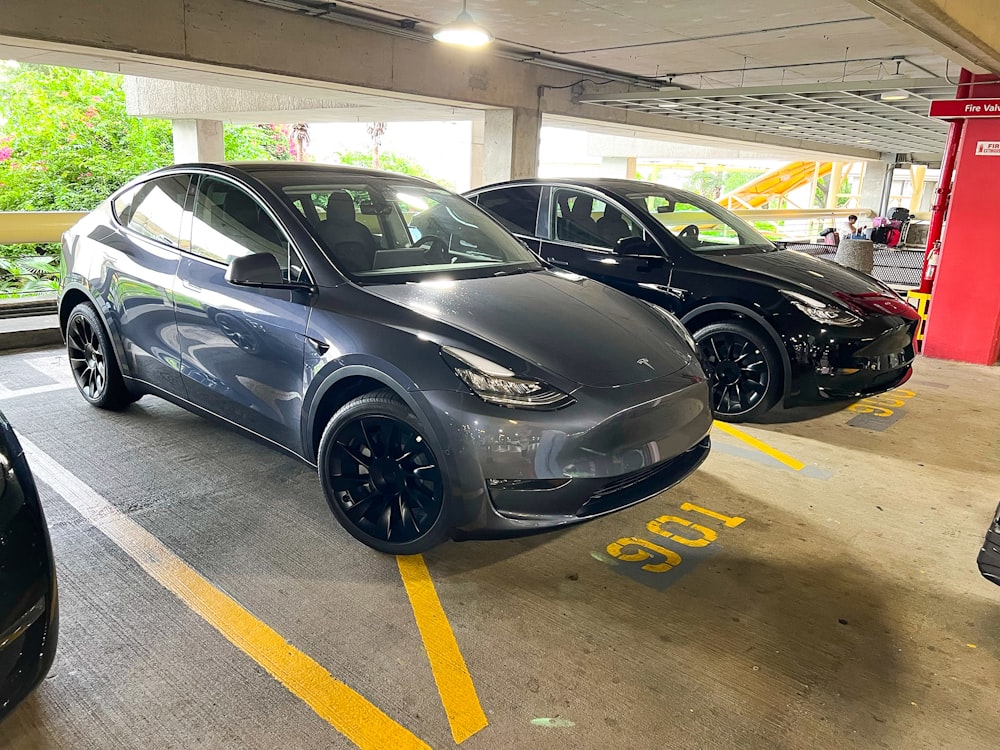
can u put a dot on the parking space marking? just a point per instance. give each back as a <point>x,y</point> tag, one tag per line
<point>7,393</point>
<point>646,562</point>
<point>784,458</point>
<point>454,683</point>
<point>347,711</point>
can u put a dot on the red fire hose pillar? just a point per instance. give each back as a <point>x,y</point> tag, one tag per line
<point>964,319</point>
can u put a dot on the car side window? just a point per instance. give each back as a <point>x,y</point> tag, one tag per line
<point>155,208</point>
<point>230,223</point>
<point>585,219</point>
<point>514,207</point>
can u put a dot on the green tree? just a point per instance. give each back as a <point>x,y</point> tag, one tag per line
<point>66,143</point>
<point>388,161</point>
<point>713,183</point>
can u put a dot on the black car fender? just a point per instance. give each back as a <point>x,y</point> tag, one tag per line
<point>731,307</point>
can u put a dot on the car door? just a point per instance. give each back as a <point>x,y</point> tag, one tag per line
<point>142,276</point>
<point>241,347</point>
<point>583,235</point>
<point>516,208</point>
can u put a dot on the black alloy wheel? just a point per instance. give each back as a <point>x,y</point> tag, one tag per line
<point>742,370</point>
<point>381,477</point>
<point>92,361</point>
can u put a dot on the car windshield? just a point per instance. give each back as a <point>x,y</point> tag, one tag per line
<point>384,230</point>
<point>699,224</point>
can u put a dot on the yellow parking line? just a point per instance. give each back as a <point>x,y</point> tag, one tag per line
<point>761,446</point>
<point>349,712</point>
<point>454,683</point>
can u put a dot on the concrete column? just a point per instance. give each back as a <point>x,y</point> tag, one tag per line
<point>476,154</point>
<point>198,140</point>
<point>615,166</point>
<point>836,177</point>
<point>877,175</point>
<point>510,144</point>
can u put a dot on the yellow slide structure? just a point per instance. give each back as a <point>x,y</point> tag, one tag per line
<point>774,184</point>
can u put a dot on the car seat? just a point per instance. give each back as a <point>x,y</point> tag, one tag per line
<point>611,226</point>
<point>350,241</point>
<point>582,227</point>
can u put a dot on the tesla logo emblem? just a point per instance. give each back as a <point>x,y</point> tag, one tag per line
<point>645,363</point>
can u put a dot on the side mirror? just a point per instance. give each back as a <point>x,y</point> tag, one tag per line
<point>258,269</point>
<point>637,247</point>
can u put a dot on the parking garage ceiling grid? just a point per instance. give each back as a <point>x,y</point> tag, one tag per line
<point>742,65</point>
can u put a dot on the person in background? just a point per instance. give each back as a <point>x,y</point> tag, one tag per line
<point>853,230</point>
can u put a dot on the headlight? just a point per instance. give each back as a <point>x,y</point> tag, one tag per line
<point>678,327</point>
<point>498,385</point>
<point>822,312</point>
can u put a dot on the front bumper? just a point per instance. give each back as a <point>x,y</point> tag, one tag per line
<point>517,472</point>
<point>848,363</point>
<point>989,555</point>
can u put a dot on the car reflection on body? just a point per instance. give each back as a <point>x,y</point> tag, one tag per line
<point>773,325</point>
<point>29,610</point>
<point>444,383</point>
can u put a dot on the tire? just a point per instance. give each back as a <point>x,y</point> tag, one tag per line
<point>93,362</point>
<point>743,370</point>
<point>381,477</point>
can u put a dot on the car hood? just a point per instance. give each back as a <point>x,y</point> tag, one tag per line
<point>820,278</point>
<point>581,330</point>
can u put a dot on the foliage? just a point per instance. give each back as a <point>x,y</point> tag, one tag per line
<point>66,143</point>
<point>714,183</point>
<point>388,161</point>
<point>823,190</point>
<point>255,142</point>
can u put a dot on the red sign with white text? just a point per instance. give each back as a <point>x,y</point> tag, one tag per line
<point>958,109</point>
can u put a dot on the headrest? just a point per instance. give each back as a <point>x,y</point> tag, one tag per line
<point>340,208</point>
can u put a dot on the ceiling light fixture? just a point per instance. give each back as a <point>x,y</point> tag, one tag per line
<point>895,95</point>
<point>464,31</point>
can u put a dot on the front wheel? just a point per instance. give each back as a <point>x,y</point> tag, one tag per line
<point>93,362</point>
<point>381,477</point>
<point>742,370</point>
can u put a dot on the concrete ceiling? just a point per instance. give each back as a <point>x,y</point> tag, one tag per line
<point>809,69</point>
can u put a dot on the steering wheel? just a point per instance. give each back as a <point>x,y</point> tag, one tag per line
<point>436,249</point>
<point>689,235</point>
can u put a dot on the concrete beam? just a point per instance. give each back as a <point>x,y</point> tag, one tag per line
<point>964,31</point>
<point>188,41</point>
<point>510,144</point>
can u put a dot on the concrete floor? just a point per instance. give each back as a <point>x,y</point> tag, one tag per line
<point>846,611</point>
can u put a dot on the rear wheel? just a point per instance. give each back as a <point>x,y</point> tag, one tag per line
<point>381,476</point>
<point>742,370</point>
<point>93,362</point>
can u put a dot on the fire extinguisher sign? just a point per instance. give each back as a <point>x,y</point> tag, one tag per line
<point>988,148</point>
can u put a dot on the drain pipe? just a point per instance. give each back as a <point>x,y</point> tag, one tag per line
<point>943,193</point>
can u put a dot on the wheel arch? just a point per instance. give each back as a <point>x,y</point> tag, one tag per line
<point>73,296</point>
<point>341,386</point>
<point>718,312</point>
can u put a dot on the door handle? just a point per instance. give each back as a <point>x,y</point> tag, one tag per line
<point>557,262</point>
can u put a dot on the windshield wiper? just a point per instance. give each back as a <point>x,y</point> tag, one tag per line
<point>516,271</point>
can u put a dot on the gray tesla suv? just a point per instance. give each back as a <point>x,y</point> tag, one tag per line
<point>444,385</point>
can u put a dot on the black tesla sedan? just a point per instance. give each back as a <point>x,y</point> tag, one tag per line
<point>773,325</point>
<point>29,609</point>
<point>444,384</point>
